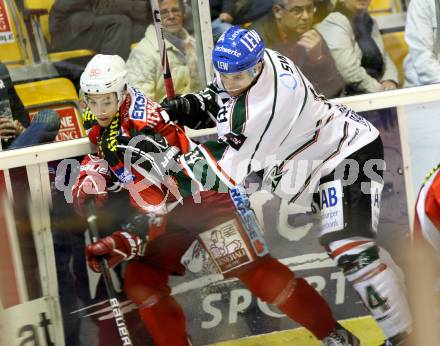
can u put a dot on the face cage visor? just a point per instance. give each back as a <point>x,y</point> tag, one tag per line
<point>237,81</point>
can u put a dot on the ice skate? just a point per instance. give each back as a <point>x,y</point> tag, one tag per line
<point>397,340</point>
<point>341,337</point>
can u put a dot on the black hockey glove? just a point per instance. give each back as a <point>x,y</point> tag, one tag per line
<point>178,108</point>
<point>189,111</point>
<point>184,109</point>
<point>150,152</point>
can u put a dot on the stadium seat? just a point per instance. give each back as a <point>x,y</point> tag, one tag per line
<point>14,50</point>
<point>397,49</point>
<point>37,13</point>
<point>58,94</point>
<point>384,7</point>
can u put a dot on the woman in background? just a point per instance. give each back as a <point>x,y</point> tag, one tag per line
<point>357,47</point>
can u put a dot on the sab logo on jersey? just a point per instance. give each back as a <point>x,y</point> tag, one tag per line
<point>138,108</point>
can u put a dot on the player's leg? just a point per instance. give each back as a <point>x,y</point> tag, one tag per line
<point>349,218</point>
<point>267,278</point>
<point>146,280</point>
<point>273,282</point>
<point>146,284</point>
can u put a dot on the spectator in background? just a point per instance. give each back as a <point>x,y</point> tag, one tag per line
<point>222,16</point>
<point>323,8</point>
<point>15,128</point>
<point>14,118</point>
<point>144,63</point>
<point>288,28</point>
<point>105,26</point>
<point>43,128</point>
<point>247,11</point>
<point>356,45</point>
<point>422,65</point>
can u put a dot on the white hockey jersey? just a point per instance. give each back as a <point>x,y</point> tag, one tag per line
<point>283,126</point>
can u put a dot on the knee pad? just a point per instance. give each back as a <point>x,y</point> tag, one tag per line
<point>378,286</point>
<point>152,298</point>
<point>356,257</point>
<point>384,297</point>
<point>144,284</point>
<point>267,278</point>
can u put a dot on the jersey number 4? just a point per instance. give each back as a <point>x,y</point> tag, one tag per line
<point>375,300</point>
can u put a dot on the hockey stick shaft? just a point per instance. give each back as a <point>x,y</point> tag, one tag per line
<point>114,302</point>
<point>168,80</point>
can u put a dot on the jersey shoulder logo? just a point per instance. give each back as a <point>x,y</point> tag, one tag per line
<point>138,105</point>
<point>233,140</point>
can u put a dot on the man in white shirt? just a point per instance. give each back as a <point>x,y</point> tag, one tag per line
<point>422,65</point>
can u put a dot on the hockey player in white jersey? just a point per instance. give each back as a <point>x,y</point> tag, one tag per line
<point>270,119</point>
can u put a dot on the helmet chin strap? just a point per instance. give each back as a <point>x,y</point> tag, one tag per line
<point>120,96</point>
<point>253,72</point>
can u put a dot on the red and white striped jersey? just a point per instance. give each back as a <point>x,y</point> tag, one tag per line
<point>427,213</point>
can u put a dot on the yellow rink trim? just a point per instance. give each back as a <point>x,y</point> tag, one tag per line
<point>365,328</point>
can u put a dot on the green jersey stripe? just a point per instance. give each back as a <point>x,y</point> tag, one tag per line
<point>238,117</point>
<point>215,167</point>
<point>201,166</point>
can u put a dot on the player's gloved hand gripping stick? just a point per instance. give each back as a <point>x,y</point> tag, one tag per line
<point>114,303</point>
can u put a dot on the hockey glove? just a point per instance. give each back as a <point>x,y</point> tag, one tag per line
<point>178,108</point>
<point>119,247</point>
<point>92,183</point>
<point>189,110</point>
<point>146,225</point>
<point>150,152</point>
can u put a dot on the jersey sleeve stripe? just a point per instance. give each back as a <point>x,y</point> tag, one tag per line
<point>306,90</point>
<point>233,115</point>
<point>318,169</point>
<point>240,114</point>
<point>313,140</point>
<point>274,103</point>
<point>224,177</point>
<point>345,248</point>
<point>187,170</point>
<point>247,112</point>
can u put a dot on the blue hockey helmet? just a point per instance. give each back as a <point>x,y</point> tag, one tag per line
<point>237,50</point>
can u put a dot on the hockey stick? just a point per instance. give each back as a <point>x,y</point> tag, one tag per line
<point>114,302</point>
<point>168,80</point>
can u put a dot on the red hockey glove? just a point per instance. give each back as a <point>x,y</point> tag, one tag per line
<point>120,246</point>
<point>92,182</point>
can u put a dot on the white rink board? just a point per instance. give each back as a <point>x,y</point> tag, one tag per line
<point>30,323</point>
<point>423,122</point>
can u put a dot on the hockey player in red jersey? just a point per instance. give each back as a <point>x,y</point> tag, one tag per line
<point>118,114</point>
<point>270,120</point>
<point>427,215</point>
